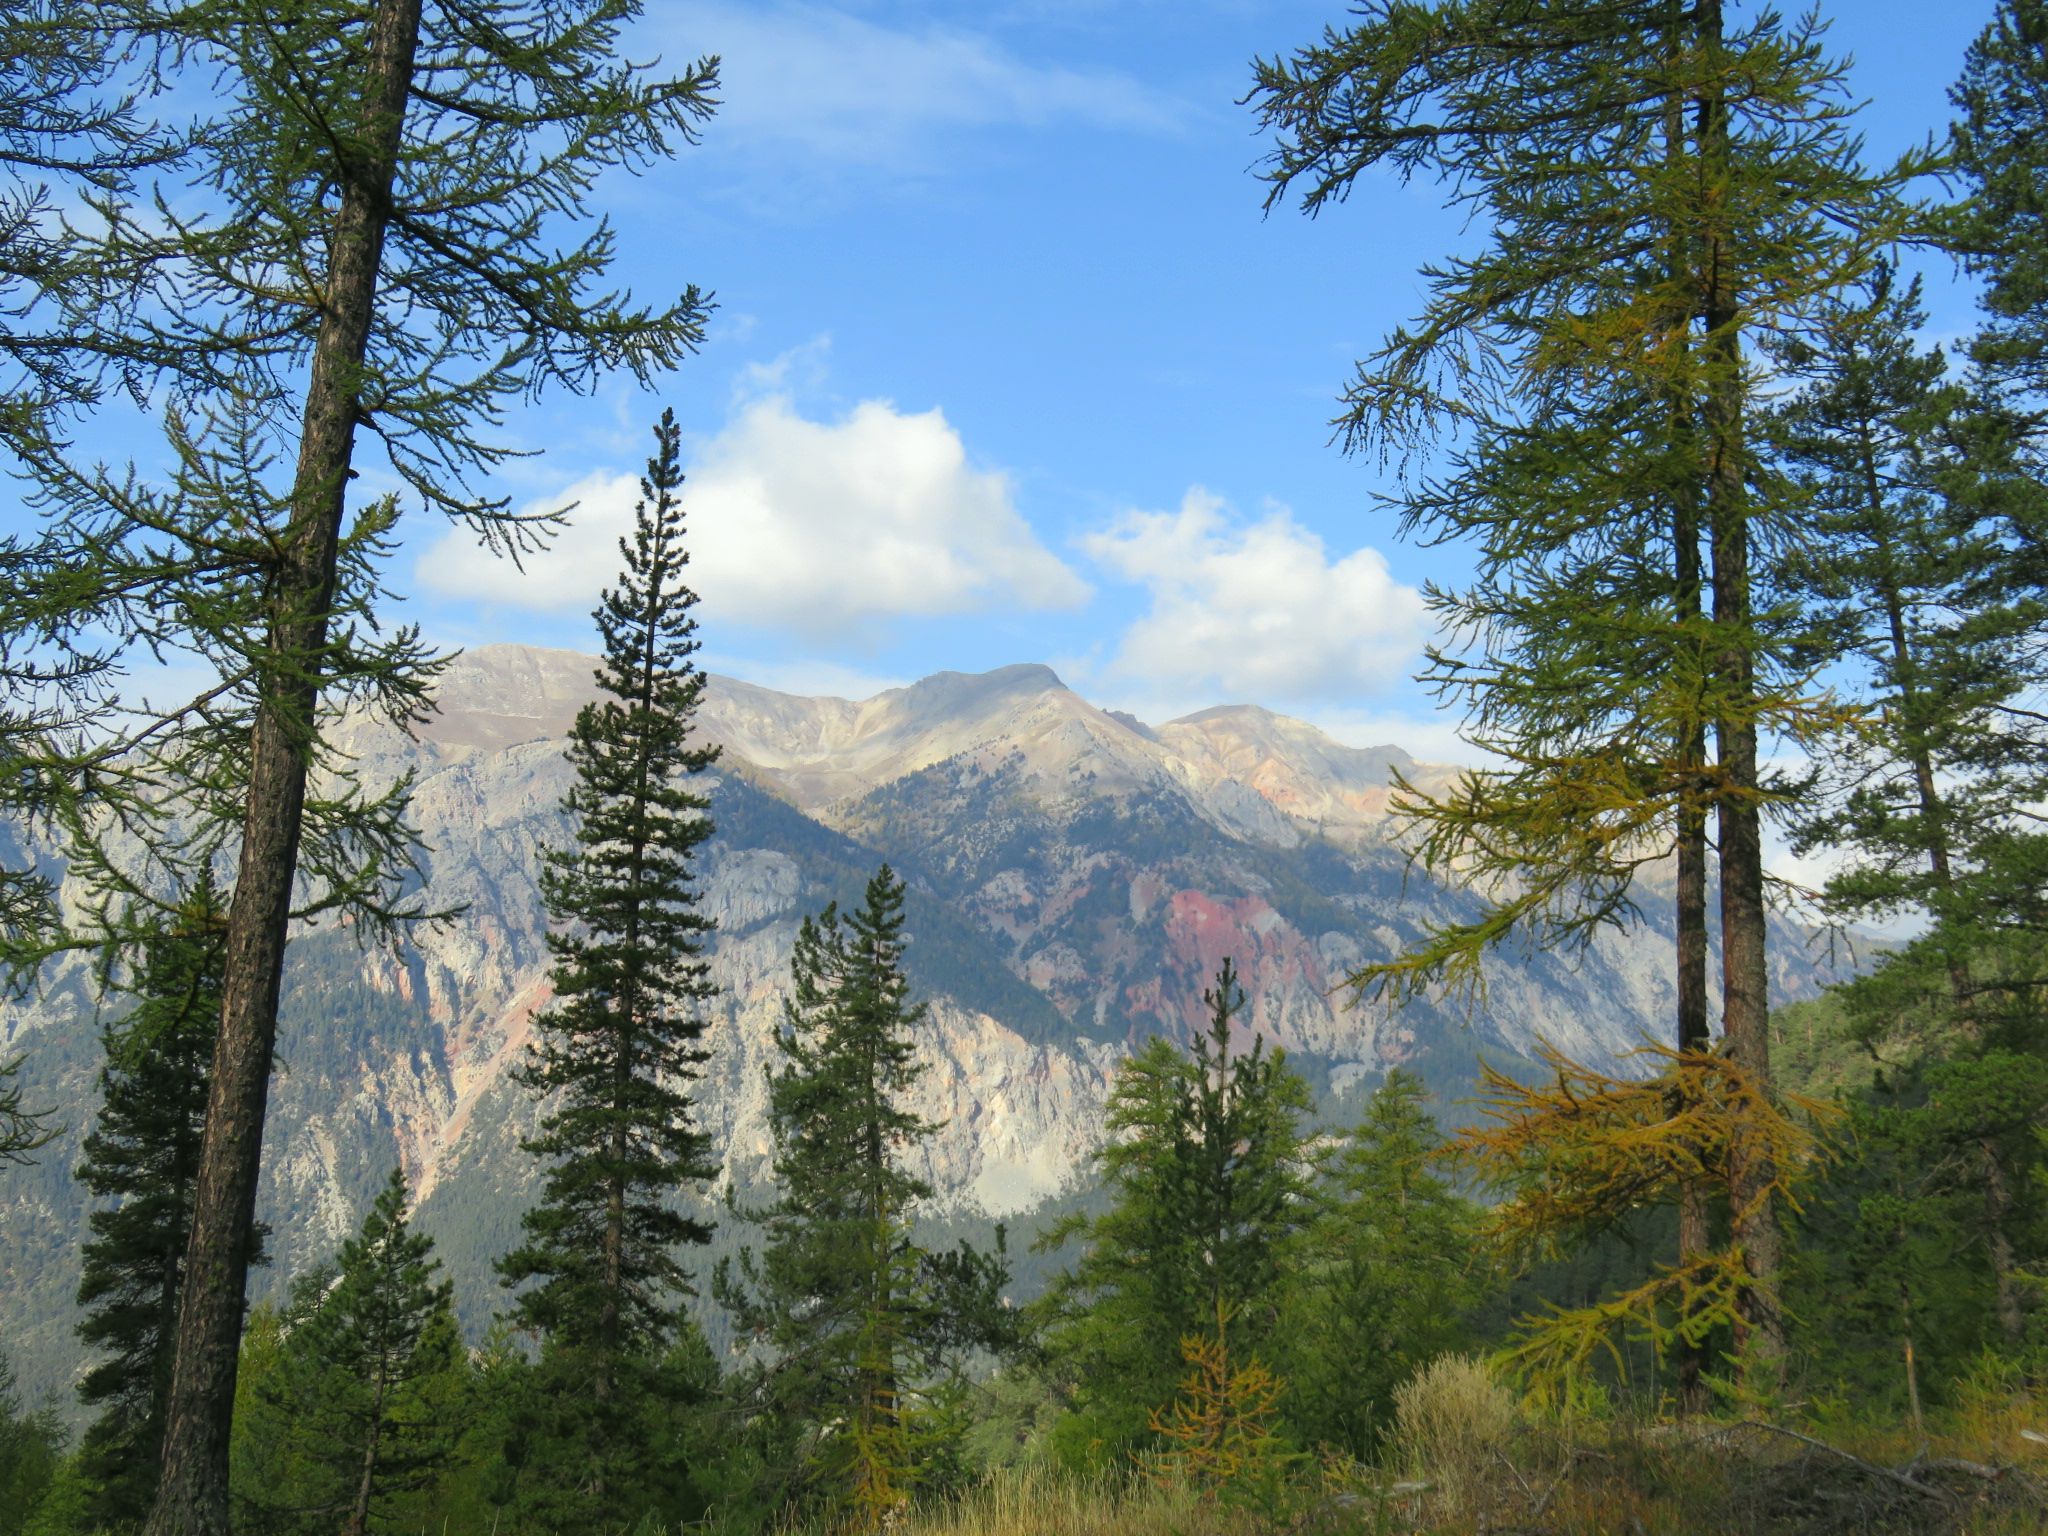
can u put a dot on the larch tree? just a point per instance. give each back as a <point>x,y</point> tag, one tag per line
<point>383,230</point>
<point>1657,191</point>
<point>23,1131</point>
<point>600,1281</point>
<point>75,138</point>
<point>858,1322</point>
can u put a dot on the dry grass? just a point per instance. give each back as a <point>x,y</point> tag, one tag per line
<point>1454,1424</point>
<point>1042,1504</point>
<point>1582,1479</point>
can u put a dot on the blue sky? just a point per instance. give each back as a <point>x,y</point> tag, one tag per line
<point>1009,366</point>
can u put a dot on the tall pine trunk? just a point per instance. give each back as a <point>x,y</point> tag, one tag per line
<point>1745,992</point>
<point>192,1494</point>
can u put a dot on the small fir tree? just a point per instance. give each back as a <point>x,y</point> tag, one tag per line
<point>1392,1272</point>
<point>1207,1173</point>
<point>31,1455</point>
<point>618,1047</point>
<point>364,1379</point>
<point>142,1158</point>
<point>861,1324</point>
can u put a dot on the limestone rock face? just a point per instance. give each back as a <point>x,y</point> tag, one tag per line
<point>1076,878</point>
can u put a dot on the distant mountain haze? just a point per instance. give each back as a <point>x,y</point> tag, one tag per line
<point>1076,877</point>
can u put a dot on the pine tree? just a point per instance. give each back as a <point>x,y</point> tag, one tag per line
<point>1206,1168</point>
<point>142,1155</point>
<point>619,1045</point>
<point>360,1392</point>
<point>2002,226</point>
<point>1658,188</point>
<point>860,1324</point>
<point>1915,483</point>
<point>1392,1271</point>
<point>22,1130</point>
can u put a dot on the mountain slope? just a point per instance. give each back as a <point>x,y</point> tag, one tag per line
<point>1076,878</point>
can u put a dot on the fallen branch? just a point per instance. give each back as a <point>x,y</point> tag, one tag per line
<point>1966,1468</point>
<point>1887,1474</point>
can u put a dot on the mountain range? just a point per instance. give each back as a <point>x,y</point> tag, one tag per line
<point>1076,878</point>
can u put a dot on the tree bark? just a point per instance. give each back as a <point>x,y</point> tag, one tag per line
<point>192,1493</point>
<point>1745,992</point>
<point>1694,1236</point>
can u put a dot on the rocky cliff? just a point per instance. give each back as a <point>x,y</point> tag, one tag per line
<point>1076,878</point>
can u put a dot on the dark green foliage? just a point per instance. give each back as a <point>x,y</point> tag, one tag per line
<point>363,1403</point>
<point>22,1130</point>
<point>863,1333</point>
<point>1912,490</point>
<point>1206,1170</point>
<point>1390,1275</point>
<point>619,1045</point>
<point>1894,1304</point>
<point>2002,226</point>
<point>141,1161</point>
<point>1916,489</point>
<point>31,1450</point>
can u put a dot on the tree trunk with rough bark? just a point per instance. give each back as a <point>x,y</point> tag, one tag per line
<point>1745,991</point>
<point>192,1494</point>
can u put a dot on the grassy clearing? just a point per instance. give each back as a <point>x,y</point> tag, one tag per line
<point>1460,1469</point>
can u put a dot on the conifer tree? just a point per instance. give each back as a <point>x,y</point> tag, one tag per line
<point>860,1324</point>
<point>383,231</point>
<point>31,1455</point>
<point>2002,226</point>
<point>22,1130</point>
<point>1916,484</point>
<point>353,1394</point>
<point>616,1050</point>
<point>1658,189</point>
<point>142,1156</point>
<point>1206,1169</point>
<point>1391,1271</point>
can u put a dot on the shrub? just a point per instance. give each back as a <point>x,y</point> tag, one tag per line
<point>1450,1418</point>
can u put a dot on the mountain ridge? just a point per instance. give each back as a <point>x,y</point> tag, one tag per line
<point>1075,878</point>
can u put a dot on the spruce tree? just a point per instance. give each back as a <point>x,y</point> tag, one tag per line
<point>1207,1171</point>
<point>360,1392</point>
<point>859,1323</point>
<point>1658,188</point>
<point>1915,482</point>
<point>2001,227</point>
<point>1391,1273</point>
<point>142,1156</point>
<point>617,1048</point>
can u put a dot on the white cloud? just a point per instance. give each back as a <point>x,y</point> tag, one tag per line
<point>822,529</point>
<point>840,87</point>
<point>1256,611</point>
